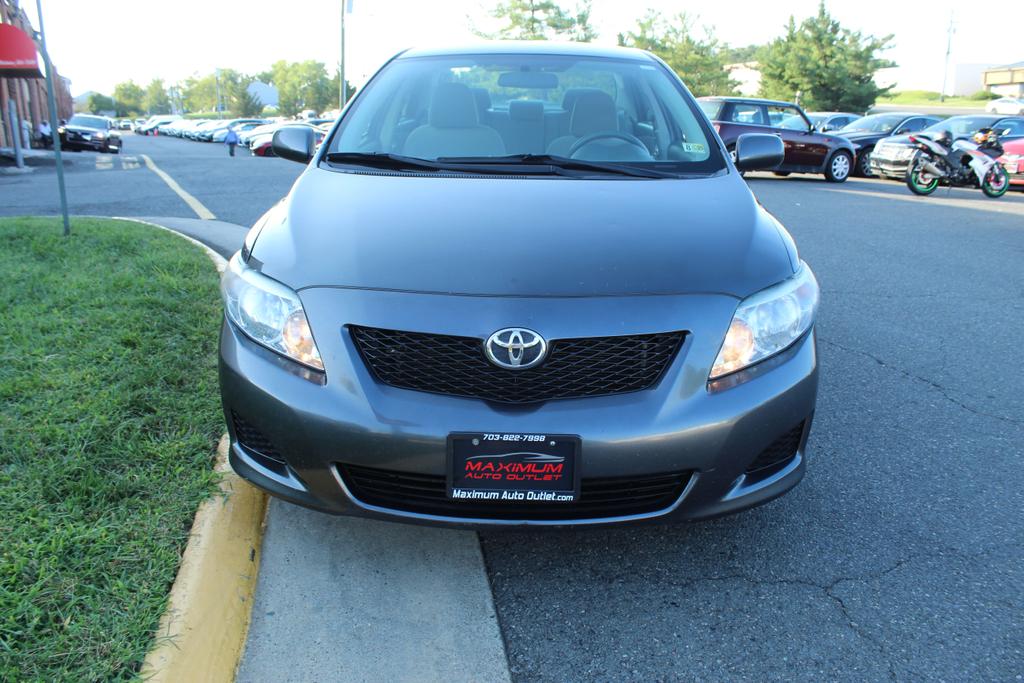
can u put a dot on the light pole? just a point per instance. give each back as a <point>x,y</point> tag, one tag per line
<point>949,46</point>
<point>54,134</point>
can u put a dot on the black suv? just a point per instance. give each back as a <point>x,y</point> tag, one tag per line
<point>807,150</point>
<point>97,133</point>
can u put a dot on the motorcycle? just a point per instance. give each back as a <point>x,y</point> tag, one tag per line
<point>958,163</point>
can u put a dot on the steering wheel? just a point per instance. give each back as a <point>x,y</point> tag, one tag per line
<point>593,137</point>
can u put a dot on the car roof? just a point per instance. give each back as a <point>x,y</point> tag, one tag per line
<point>752,100</point>
<point>528,47</point>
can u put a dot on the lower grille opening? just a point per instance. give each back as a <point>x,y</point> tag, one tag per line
<point>599,497</point>
<point>780,452</point>
<point>258,445</point>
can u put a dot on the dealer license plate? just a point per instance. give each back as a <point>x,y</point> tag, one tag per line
<point>513,468</point>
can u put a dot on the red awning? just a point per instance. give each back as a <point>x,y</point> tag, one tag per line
<point>18,56</point>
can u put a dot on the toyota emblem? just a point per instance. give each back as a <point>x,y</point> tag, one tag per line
<point>515,348</point>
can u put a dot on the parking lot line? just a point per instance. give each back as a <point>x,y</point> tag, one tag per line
<point>193,203</point>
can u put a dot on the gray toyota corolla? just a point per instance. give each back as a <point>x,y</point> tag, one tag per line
<point>520,284</point>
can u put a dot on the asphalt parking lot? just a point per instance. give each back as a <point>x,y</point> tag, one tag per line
<point>900,555</point>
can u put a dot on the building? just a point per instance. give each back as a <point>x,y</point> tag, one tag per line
<point>748,75</point>
<point>267,94</point>
<point>28,94</point>
<point>1007,80</point>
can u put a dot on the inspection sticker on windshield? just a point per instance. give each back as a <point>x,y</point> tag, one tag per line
<point>693,147</point>
<point>513,468</point>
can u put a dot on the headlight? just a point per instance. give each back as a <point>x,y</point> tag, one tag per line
<point>99,136</point>
<point>768,322</point>
<point>268,313</point>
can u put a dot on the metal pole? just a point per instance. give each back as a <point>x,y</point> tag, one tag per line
<point>945,68</point>
<point>53,122</point>
<point>341,64</point>
<point>12,112</point>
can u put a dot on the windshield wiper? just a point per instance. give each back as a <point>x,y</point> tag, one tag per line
<point>564,163</point>
<point>384,160</point>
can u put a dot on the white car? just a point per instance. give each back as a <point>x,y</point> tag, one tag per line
<point>1006,105</point>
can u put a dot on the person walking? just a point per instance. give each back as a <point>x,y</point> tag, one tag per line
<point>231,140</point>
<point>45,134</point>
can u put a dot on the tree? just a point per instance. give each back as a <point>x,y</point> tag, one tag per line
<point>824,65</point>
<point>100,104</point>
<point>200,93</point>
<point>302,85</point>
<point>700,62</point>
<point>156,100</point>
<point>128,99</point>
<point>243,102</point>
<point>541,20</point>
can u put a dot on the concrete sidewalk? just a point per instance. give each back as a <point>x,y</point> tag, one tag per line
<point>33,157</point>
<point>345,599</point>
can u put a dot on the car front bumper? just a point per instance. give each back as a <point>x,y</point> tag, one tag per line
<point>321,425</point>
<point>889,167</point>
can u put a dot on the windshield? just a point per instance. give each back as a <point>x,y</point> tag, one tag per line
<point>483,107</point>
<point>876,123</point>
<point>88,121</point>
<point>797,122</point>
<point>961,126</point>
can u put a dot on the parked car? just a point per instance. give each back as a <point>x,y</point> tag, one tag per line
<point>206,135</point>
<point>892,155</point>
<point>865,132</point>
<point>630,336</point>
<point>1006,105</point>
<point>827,121</point>
<point>154,122</point>
<point>261,145</point>
<point>246,137</point>
<point>1013,161</point>
<point>124,124</point>
<point>96,133</point>
<point>193,132</point>
<point>239,128</point>
<point>807,150</point>
<point>171,128</point>
<point>138,123</point>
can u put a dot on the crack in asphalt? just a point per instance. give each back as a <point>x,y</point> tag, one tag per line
<point>923,380</point>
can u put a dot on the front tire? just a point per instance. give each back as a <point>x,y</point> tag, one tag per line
<point>839,165</point>
<point>996,182</point>
<point>864,163</point>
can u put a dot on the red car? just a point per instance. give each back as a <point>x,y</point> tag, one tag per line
<point>1013,161</point>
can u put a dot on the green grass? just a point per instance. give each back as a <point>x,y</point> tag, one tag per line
<point>931,98</point>
<point>109,417</point>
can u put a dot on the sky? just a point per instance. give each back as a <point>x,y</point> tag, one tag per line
<point>173,40</point>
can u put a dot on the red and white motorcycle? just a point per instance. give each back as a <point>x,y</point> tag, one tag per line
<point>957,163</point>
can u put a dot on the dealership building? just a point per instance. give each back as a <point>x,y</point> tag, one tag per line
<point>20,77</point>
<point>1007,80</point>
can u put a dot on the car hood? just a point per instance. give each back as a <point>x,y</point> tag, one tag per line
<point>495,236</point>
<point>861,138</point>
<point>895,140</point>
<point>84,130</point>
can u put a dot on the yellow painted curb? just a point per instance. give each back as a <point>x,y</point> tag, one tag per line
<point>203,631</point>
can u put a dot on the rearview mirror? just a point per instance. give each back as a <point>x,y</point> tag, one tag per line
<point>296,143</point>
<point>759,152</point>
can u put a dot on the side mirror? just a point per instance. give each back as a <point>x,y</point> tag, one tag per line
<point>758,152</point>
<point>296,143</point>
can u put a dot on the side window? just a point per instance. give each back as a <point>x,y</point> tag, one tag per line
<point>1015,126</point>
<point>912,126</point>
<point>781,116</point>
<point>746,113</point>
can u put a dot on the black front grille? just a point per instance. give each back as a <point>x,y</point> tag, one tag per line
<point>442,364</point>
<point>427,494</point>
<point>254,440</point>
<point>779,451</point>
